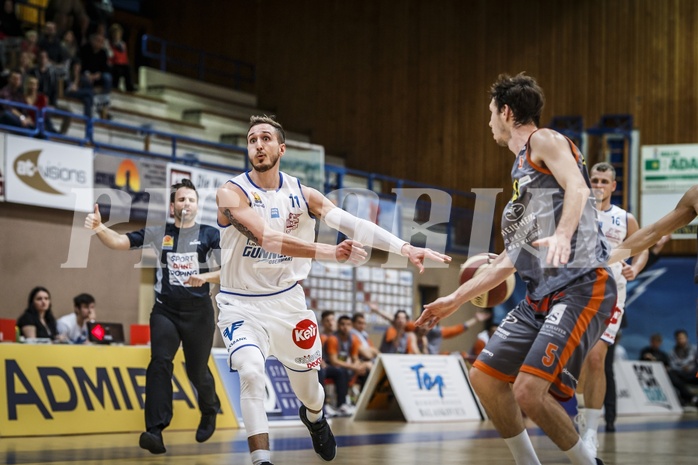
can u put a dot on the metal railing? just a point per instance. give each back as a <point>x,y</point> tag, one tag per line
<point>170,54</point>
<point>457,229</point>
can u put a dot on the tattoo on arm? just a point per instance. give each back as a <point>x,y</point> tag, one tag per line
<point>239,226</point>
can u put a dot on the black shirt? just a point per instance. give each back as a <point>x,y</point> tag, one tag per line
<point>32,319</point>
<point>183,252</point>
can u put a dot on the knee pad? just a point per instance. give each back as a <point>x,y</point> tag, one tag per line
<point>250,366</point>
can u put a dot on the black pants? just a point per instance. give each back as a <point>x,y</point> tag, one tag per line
<point>341,377</point>
<point>191,322</point>
<point>609,401</point>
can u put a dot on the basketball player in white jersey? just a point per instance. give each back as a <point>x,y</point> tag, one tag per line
<point>616,224</point>
<point>268,221</point>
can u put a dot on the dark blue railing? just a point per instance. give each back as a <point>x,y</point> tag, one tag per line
<point>167,54</point>
<point>335,176</point>
<point>89,136</point>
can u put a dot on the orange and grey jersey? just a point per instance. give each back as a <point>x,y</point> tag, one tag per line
<point>247,268</point>
<point>533,213</point>
<point>614,224</point>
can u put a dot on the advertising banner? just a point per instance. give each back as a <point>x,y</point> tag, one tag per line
<point>644,388</point>
<point>206,182</point>
<point>418,388</point>
<point>48,174</point>
<point>668,171</point>
<point>68,389</point>
<point>143,179</point>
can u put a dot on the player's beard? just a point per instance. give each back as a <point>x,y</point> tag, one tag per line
<point>263,167</point>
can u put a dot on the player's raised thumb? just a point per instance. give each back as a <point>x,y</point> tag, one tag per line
<point>96,209</point>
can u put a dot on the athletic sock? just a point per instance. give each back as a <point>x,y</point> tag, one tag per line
<point>522,449</point>
<point>313,417</point>
<point>580,455</point>
<point>260,456</point>
<point>593,416</point>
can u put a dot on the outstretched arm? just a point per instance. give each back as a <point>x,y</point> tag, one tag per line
<point>368,233</point>
<point>500,269</point>
<point>234,210</point>
<point>109,237</point>
<point>685,212</point>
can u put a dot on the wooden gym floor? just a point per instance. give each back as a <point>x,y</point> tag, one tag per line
<point>654,440</point>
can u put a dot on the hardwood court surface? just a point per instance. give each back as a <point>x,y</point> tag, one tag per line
<point>655,440</point>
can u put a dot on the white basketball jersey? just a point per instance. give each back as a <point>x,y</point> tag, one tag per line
<point>614,224</point>
<point>249,269</point>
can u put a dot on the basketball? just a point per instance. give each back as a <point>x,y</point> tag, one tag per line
<point>495,296</point>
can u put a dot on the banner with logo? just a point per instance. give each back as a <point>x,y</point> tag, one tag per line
<point>667,172</point>
<point>48,174</point>
<point>143,179</point>
<point>644,388</point>
<point>69,389</point>
<point>280,402</point>
<point>418,388</point>
<point>2,167</point>
<point>206,182</point>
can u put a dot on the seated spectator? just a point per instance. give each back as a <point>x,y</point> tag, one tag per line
<point>10,34</point>
<point>95,65</point>
<point>79,87</point>
<point>50,42</point>
<point>73,327</point>
<point>38,321</point>
<point>26,63</point>
<point>120,63</point>
<point>358,328</point>
<point>654,352</point>
<point>68,15</point>
<point>48,79</point>
<point>397,339</point>
<point>682,365</point>
<point>30,43</point>
<point>340,378</point>
<point>341,351</point>
<point>10,25</point>
<point>13,91</point>
<point>70,46</point>
<point>37,99</point>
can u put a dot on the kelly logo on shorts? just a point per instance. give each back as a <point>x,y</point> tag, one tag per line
<point>304,334</point>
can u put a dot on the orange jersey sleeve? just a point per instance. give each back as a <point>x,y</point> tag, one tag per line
<point>452,331</point>
<point>332,345</point>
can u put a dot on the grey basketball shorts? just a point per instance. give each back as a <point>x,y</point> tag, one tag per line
<point>549,338</point>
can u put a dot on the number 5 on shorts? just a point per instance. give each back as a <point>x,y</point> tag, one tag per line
<point>550,354</point>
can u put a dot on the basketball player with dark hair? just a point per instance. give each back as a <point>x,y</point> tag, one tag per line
<point>552,239</point>
<point>597,375</point>
<point>183,312</point>
<point>268,243</point>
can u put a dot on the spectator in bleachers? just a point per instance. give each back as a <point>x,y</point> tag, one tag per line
<point>121,67</point>
<point>429,342</point>
<point>397,340</point>
<point>483,338</point>
<point>69,45</point>
<point>26,63</point>
<point>654,352</point>
<point>33,97</point>
<point>682,365</point>
<point>48,79</point>
<point>358,322</point>
<point>13,91</point>
<point>51,43</point>
<point>10,25</point>
<point>68,15</point>
<point>341,352</point>
<point>79,87</point>
<point>95,65</point>
<point>38,321</point>
<point>30,43</point>
<point>99,12</point>
<point>73,327</point>
<point>10,34</point>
